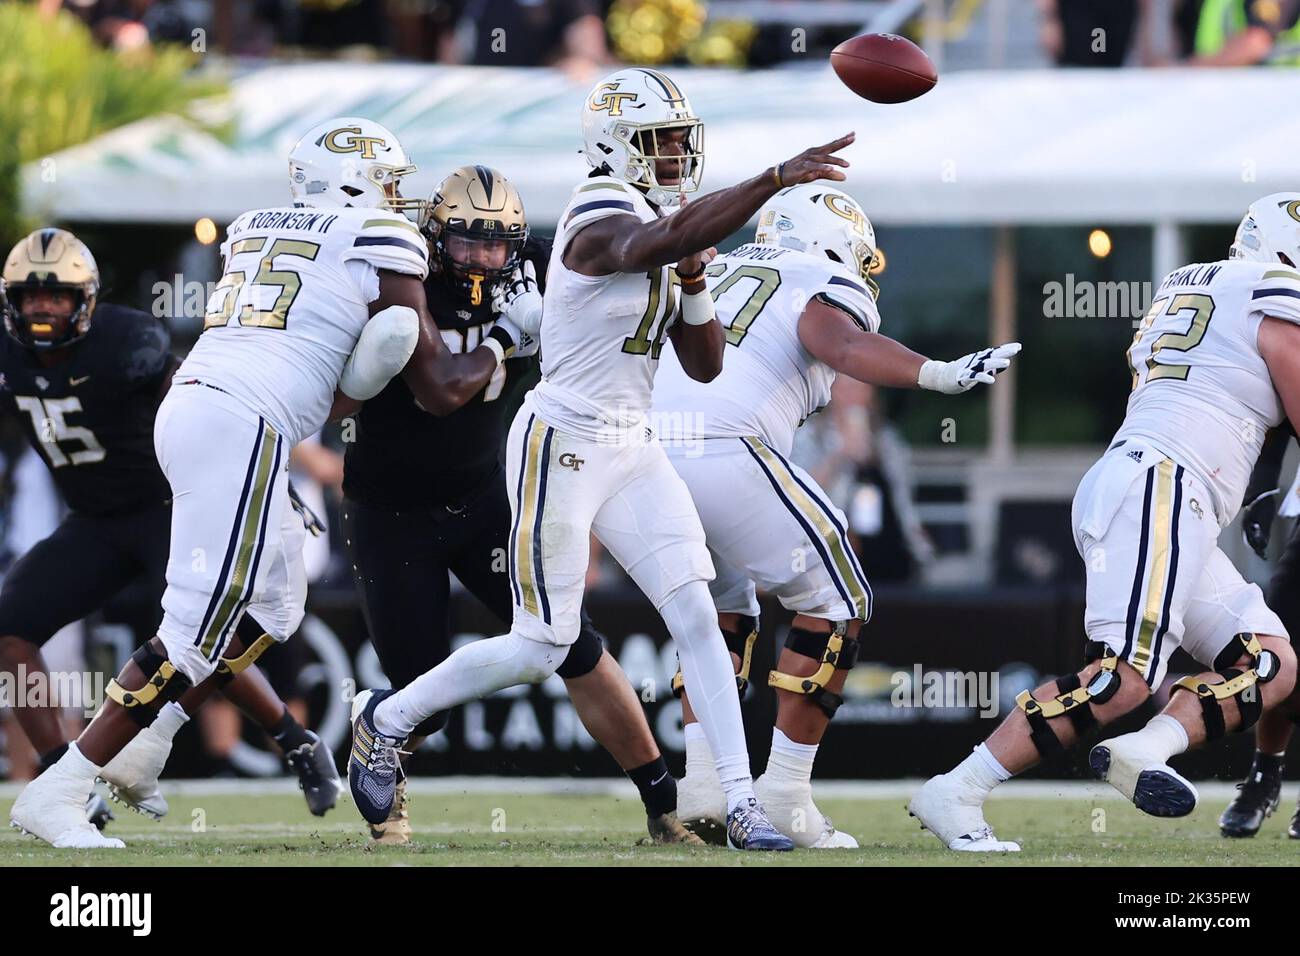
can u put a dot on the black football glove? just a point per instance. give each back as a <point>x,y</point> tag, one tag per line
<point>1257,521</point>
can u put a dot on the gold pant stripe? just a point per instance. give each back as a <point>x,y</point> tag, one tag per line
<point>525,573</point>
<point>836,546</point>
<point>1158,564</point>
<point>248,537</point>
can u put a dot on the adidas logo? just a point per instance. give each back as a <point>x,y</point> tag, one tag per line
<point>1136,455</point>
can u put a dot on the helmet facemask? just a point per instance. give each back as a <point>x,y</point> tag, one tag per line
<point>470,279</point>
<point>645,152</point>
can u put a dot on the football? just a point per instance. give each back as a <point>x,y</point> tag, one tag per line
<point>884,68</point>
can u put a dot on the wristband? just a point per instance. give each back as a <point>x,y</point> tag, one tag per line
<point>691,277</point>
<point>697,309</point>
<point>776,173</point>
<point>499,341</point>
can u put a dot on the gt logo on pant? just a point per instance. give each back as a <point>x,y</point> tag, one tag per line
<point>570,460</point>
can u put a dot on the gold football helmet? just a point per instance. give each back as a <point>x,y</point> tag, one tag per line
<point>476,228</point>
<point>49,259</point>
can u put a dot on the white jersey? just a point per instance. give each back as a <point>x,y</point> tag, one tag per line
<point>769,383</point>
<point>286,314</point>
<point>1201,391</point>
<point>602,335</point>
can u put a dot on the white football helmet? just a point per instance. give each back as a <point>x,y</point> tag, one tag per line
<point>816,218</point>
<point>349,161</point>
<point>619,120</point>
<point>1271,231</point>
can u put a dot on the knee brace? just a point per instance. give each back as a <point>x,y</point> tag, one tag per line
<point>1072,700</point>
<point>165,683</point>
<point>1236,683</point>
<point>835,652</point>
<point>585,653</point>
<point>228,667</point>
<point>739,642</point>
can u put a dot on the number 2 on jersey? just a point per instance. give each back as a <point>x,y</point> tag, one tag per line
<point>1202,308</point>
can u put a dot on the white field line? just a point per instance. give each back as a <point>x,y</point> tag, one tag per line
<point>622,788</point>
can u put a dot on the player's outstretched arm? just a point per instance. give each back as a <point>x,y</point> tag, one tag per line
<point>1279,346</point>
<point>440,380</point>
<point>831,336</point>
<point>624,244</point>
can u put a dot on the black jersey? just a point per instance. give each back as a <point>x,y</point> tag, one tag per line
<point>403,457</point>
<point>91,416</point>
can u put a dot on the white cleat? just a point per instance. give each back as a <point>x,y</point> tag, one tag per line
<point>1128,764</point>
<point>792,811</point>
<point>132,776</point>
<point>947,810</point>
<point>53,808</point>
<point>701,804</point>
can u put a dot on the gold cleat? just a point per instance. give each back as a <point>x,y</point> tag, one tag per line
<point>396,830</point>
<point>666,829</point>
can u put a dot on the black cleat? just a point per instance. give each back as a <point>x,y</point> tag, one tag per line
<point>98,812</point>
<point>1257,797</point>
<point>317,775</point>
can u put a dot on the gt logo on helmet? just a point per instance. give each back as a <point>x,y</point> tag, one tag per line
<point>839,205</point>
<point>356,143</point>
<point>1293,210</point>
<point>604,98</point>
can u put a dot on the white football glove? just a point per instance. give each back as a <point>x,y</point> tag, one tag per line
<point>519,299</point>
<point>521,344</point>
<point>968,371</point>
<point>382,350</point>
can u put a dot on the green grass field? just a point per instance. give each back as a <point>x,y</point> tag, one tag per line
<point>597,829</point>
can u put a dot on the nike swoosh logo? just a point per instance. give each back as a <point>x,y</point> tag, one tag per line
<point>77,381</point>
<point>655,783</point>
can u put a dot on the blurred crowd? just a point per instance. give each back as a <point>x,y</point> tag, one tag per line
<point>1154,33</point>
<point>580,36</point>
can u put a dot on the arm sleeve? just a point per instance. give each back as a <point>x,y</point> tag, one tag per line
<point>852,297</point>
<point>389,241</point>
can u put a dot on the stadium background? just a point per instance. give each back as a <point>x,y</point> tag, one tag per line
<point>1024,171</point>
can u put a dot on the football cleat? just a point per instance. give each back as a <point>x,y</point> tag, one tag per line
<point>701,804</point>
<point>668,829</point>
<point>373,764</point>
<point>1152,785</point>
<point>1257,797</point>
<point>53,808</point>
<point>748,828</point>
<point>317,776</point>
<point>396,830</point>
<point>948,811</point>
<point>1293,830</point>
<point>793,812</point>
<point>98,811</point>
<point>132,776</point>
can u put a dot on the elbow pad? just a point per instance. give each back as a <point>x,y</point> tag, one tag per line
<point>383,349</point>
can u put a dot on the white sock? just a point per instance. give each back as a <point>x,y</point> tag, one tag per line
<point>75,764</point>
<point>475,670</point>
<point>699,758</point>
<point>1166,735</point>
<point>790,762</point>
<point>709,673</point>
<point>981,771</point>
<point>169,720</point>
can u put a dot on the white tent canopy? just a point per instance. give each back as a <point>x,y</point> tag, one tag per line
<point>1120,146</point>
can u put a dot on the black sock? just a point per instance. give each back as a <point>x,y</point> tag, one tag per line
<point>658,787</point>
<point>288,733</point>
<point>1268,763</point>
<point>52,757</point>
